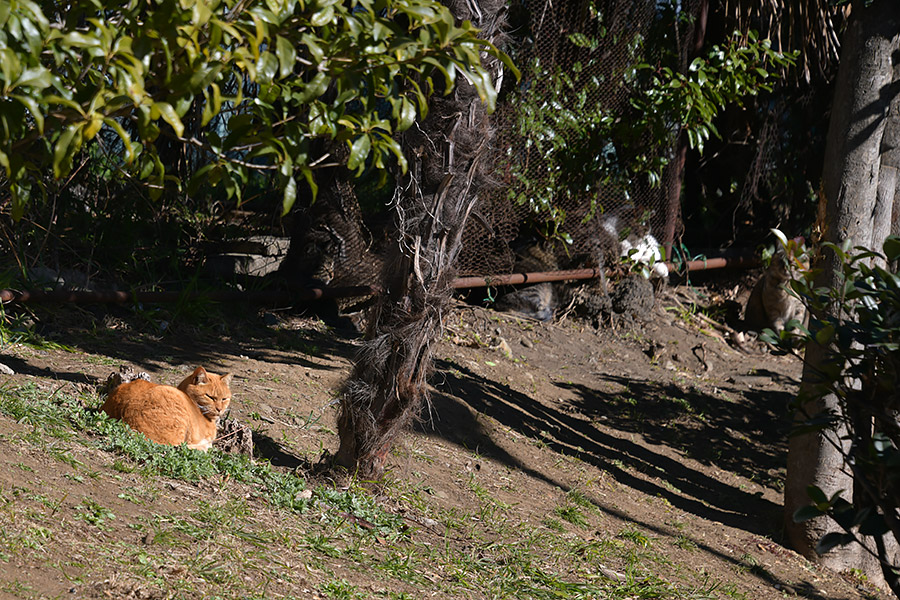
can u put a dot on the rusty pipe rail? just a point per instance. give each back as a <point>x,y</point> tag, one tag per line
<point>737,261</point>
<point>311,294</point>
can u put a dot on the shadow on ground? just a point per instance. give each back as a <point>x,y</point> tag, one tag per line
<point>462,395</point>
<point>129,336</point>
<point>724,430</point>
<point>637,466</point>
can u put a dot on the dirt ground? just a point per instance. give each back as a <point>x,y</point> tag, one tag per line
<point>665,429</point>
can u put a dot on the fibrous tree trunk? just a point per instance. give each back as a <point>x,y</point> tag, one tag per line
<point>450,161</point>
<point>859,159</point>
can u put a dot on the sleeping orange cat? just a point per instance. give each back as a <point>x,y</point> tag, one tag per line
<point>187,414</point>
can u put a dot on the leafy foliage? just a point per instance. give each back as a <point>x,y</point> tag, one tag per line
<point>858,322</point>
<point>582,144</point>
<point>235,88</point>
<point>724,76</point>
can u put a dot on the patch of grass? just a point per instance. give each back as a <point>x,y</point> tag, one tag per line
<point>130,498</point>
<point>490,510</point>
<point>681,403</point>
<point>18,589</point>
<point>578,498</point>
<point>637,536</point>
<point>321,543</point>
<point>340,590</point>
<point>685,543</point>
<point>18,327</point>
<point>243,540</point>
<point>572,514</point>
<point>91,512</point>
<point>402,566</point>
<point>65,414</point>
<point>211,569</point>
<point>553,524</point>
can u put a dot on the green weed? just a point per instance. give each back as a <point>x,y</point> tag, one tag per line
<point>91,512</point>
<point>637,536</point>
<point>340,590</point>
<point>685,543</point>
<point>571,514</point>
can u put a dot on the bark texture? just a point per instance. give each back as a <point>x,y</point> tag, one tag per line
<point>450,163</point>
<point>854,211</point>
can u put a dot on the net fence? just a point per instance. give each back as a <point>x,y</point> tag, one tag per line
<point>601,42</point>
<point>545,34</point>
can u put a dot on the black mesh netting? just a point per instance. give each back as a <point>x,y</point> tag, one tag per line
<point>544,31</point>
<point>500,228</point>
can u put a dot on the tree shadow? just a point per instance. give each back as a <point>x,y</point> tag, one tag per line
<point>631,464</point>
<point>23,367</point>
<point>264,446</point>
<point>146,346</point>
<point>462,396</point>
<point>747,438</point>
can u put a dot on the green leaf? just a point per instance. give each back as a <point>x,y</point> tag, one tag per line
<point>315,49</point>
<point>448,71</point>
<point>290,196</point>
<point>37,77</point>
<point>322,17</point>
<point>33,107</point>
<point>359,151</point>
<point>407,115</point>
<point>267,67</point>
<point>80,40</point>
<point>310,180</point>
<point>10,65</point>
<point>891,248</point>
<point>66,146</point>
<point>313,89</point>
<point>5,8</point>
<point>825,335</point>
<point>21,194</point>
<point>169,116</point>
<point>425,13</point>
<point>581,40</point>
<point>287,56</point>
<point>124,136</point>
<point>816,495</point>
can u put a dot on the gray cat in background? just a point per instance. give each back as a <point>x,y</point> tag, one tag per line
<point>771,304</point>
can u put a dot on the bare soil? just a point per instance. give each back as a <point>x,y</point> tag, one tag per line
<point>668,432</point>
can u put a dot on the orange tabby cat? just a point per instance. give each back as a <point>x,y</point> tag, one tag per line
<point>187,414</point>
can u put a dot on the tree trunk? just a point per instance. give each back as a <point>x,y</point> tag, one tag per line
<point>450,165</point>
<point>676,179</point>
<point>889,175</point>
<point>851,179</point>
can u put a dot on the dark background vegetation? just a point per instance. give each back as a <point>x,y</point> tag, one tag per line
<point>761,173</point>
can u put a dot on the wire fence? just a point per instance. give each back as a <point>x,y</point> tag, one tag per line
<point>546,31</point>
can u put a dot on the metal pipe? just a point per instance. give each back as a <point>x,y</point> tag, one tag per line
<point>310,294</point>
<point>517,278</point>
<point>744,260</point>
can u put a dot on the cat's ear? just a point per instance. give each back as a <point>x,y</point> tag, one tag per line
<point>226,379</point>
<point>200,376</point>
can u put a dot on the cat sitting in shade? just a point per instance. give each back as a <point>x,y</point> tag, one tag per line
<point>188,414</point>
<point>771,304</point>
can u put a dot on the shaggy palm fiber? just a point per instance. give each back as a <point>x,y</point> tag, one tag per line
<point>450,157</point>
